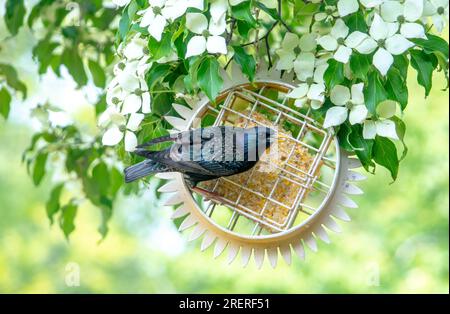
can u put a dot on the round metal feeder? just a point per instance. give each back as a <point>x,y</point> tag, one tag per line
<point>302,201</point>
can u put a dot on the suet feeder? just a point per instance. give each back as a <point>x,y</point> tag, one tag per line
<point>289,199</point>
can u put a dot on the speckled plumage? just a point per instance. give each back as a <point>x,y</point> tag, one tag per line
<point>204,154</point>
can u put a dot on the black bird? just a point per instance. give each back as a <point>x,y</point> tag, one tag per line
<point>204,154</point>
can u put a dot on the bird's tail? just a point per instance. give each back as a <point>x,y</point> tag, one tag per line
<point>143,169</point>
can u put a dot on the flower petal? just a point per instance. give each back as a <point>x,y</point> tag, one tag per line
<point>316,92</point>
<point>218,9</point>
<point>290,41</point>
<point>355,39</point>
<point>147,18</point>
<point>130,141</point>
<point>358,114</point>
<point>391,10</point>
<point>387,109</point>
<point>146,103</point>
<point>196,46</point>
<point>131,104</point>
<point>357,94</point>
<point>386,128</point>
<point>383,60</point>
<point>304,65</point>
<point>112,136</point>
<point>134,121</point>
<point>216,44</point>
<point>157,27</point>
<point>335,116</point>
<point>413,10</point>
<point>307,42</point>
<point>369,130</point>
<point>340,95</point>
<point>379,28</point>
<point>343,54</point>
<point>328,42</point>
<point>413,30</point>
<point>196,22</point>
<point>298,92</point>
<point>367,46</point>
<point>218,28</point>
<point>339,30</point>
<point>398,44</point>
<point>346,7</point>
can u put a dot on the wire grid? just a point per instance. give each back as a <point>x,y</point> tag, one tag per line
<point>305,181</point>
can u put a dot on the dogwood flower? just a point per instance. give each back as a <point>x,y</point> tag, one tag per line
<point>311,87</point>
<point>384,39</point>
<point>161,12</point>
<point>438,11</point>
<point>119,128</point>
<point>346,7</point>
<point>208,37</point>
<point>329,14</point>
<point>383,126</point>
<point>406,14</point>
<point>335,41</point>
<point>136,49</point>
<point>295,52</point>
<point>349,104</point>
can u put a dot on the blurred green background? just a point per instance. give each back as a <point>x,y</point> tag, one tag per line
<point>396,243</point>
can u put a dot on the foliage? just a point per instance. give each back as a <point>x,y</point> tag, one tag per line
<point>151,54</point>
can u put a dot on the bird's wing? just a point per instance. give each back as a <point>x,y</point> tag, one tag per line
<point>186,137</point>
<point>172,158</point>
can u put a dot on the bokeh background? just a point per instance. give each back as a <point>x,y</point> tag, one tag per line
<point>397,242</point>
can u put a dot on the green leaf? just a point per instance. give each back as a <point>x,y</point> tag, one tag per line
<point>273,13</point>
<point>98,75</point>
<point>39,168</point>
<point>159,49</point>
<point>434,44</point>
<point>356,22</point>
<point>74,64</point>
<point>334,75</point>
<point>12,78</point>
<point>397,88</point>
<point>360,65</point>
<point>15,12</point>
<point>343,136</point>
<point>363,148</point>
<point>243,12</point>
<point>400,128</point>
<point>245,61</point>
<point>5,102</point>
<point>385,154</point>
<point>374,92</point>
<point>209,78</point>
<point>424,64</point>
<point>156,74</point>
<point>53,204</point>
<point>100,175</point>
<point>124,26</point>
<point>67,218</point>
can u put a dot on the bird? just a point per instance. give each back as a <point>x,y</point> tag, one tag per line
<point>203,154</point>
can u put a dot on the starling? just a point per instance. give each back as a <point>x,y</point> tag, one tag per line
<point>204,154</point>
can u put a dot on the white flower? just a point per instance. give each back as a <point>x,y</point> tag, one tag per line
<point>406,14</point>
<point>329,14</point>
<point>121,3</point>
<point>335,41</point>
<point>120,128</point>
<point>135,49</point>
<point>346,7</point>
<point>349,104</point>
<point>438,10</point>
<point>384,39</point>
<point>208,37</point>
<point>161,12</point>
<point>311,88</point>
<point>383,126</point>
<point>295,52</point>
